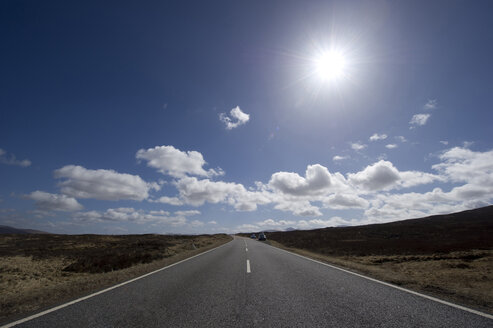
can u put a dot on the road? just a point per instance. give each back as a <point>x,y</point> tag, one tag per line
<point>247,283</point>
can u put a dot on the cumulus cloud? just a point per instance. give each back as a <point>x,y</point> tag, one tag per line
<point>176,163</point>
<point>196,192</point>
<point>12,160</point>
<point>464,165</point>
<point>187,213</point>
<point>236,118</point>
<point>345,201</point>
<point>384,176</point>
<point>419,120</point>
<point>377,136</point>
<point>300,224</point>
<point>298,207</point>
<point>458,165</point>
<point>391,146</point>
<point>337,158</point>
<point>53,202</point>
<point>401,138</point>
<point>129,214</point>
<point>431,104</point>
<point>317,179</point>
<point>380,175</point>
<point>80,182</point>
<point>357,146</point>
<point>168,200</point>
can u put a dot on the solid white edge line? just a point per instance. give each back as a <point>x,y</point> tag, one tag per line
<point>37,315</point>
<point>486,315</point>
<point>248,266</point>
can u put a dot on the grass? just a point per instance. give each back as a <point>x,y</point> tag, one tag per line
<point>39,271</point>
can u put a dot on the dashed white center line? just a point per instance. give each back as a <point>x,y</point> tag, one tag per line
<point>246,249</point>
<point>248,266</point>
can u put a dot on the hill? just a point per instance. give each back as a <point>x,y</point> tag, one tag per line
<point>6,229</point>
<point>466,230</point>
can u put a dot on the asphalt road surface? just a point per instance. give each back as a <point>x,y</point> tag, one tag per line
<point>247,283</point>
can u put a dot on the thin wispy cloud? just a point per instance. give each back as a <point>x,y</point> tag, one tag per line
<point>358,146</point>
<point>377,136</point>
<point>431,104</point>
<point>337,158</point>
<point>236,118</point>
<point>391,146</point>
<point>419,120</point>
<point>12,160</point>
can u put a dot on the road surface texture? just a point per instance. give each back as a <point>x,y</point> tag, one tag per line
<point>247,283</point>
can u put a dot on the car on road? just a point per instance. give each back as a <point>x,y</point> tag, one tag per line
<point>261,236</point>
<point>253,236</point>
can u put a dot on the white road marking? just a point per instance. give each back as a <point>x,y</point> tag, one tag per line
<point>246,249</point>
<point>248,266</point>
<point>489,316</point>
<point>37,315</point>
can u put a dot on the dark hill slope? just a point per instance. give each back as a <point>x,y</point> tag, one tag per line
<point>6,229</point>
<point>466,230</point>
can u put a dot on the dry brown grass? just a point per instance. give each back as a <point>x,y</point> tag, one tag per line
<point>34,270</point>
<point>464,277</point>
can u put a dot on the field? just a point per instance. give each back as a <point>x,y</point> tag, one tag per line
<point>41,270</point>
<point>447,256</point>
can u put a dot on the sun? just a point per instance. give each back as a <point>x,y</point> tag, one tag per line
<point>331,65</point>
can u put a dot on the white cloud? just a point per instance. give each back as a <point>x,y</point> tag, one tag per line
<point>187,213</point>
<point>444,142</point>
<point>465,165</point>
<point>431,104</point>
<point>317,180</point>
<point>176,163</point>
<point>12,160</point>
<point>391,146</point>
<point>377,136</point>
<point>459,165</point>
<point>270,223</point>
<point>300,224</point>
<point>358,146</point>
<point>345,201</point>
<point>53,202</point>
<point>401,138</point>
<point>384,176</point>
<point>298,207</point>
<point>419,120</point>
<point>212,222</point>
<point>196,192</point>
<point>378,176</point>
<point>168,200</point>
<point>339,158</point>
<point>237,118</point>
<point>102,184</point>
<point>196,223</point>
<point>129,214</point>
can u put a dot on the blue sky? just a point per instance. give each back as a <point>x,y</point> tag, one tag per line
<point>204,117</point>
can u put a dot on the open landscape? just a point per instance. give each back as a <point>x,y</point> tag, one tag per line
<point>41,270</point>
<point>447,256</point>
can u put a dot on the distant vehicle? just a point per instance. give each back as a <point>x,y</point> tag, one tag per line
<point>261,236</point>
<point>253,236</point>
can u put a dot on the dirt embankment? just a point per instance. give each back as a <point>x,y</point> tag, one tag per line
<point>447,256</point>
<point>37,271</point>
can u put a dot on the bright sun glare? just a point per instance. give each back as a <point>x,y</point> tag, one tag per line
<point>331,65</point>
